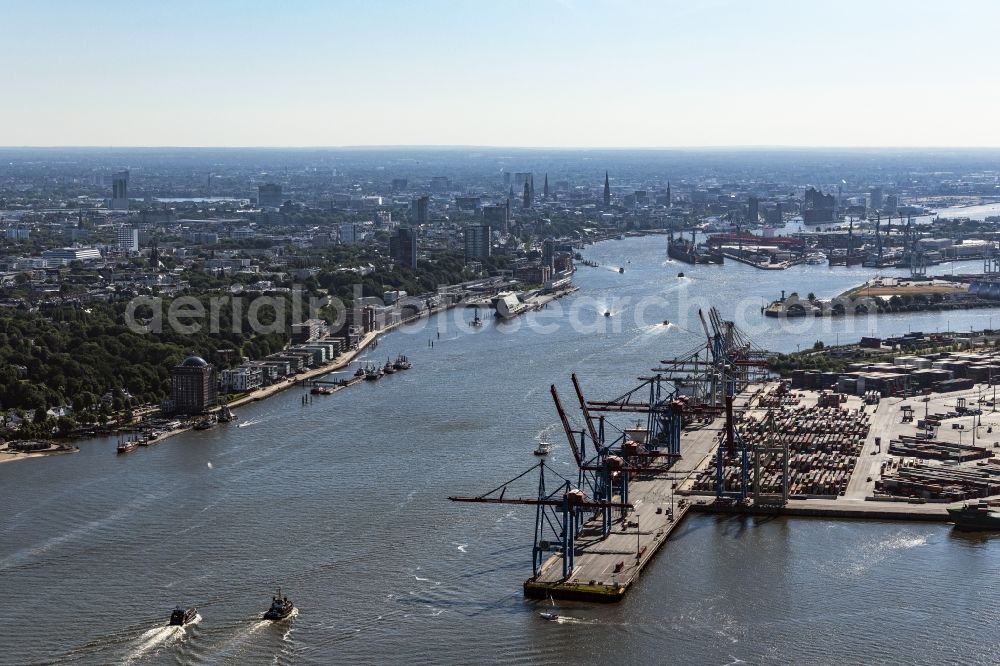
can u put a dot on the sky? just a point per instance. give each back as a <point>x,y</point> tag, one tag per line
<point>546,73</point>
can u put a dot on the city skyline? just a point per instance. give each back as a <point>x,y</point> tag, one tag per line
<point>566,74</point>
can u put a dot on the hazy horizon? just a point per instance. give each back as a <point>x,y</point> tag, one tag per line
<point>583,74</point>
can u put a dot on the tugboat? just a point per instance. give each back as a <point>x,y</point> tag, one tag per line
<point>681,274</point>
<point>621,269</point>
<point>388,369</point>
<point>373,372</point>
<point>360,372</point>
<point>981,516</point>
<point>607,313</point>
<point>542,449</point>
<point>666,322</point>
<point>280,608</point>
<point>476,321</point>
<point>402,363</point>
<point>181,616</point>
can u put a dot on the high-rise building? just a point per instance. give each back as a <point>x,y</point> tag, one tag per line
<point>875,198</point>
<point>269,196</point>
<point>348,233</point>
<point>403,247</point>
<point>891,203</point>
<point>526,198</point>
<point>498,217</point>
<point>607,190</point>
<point>128,238</point>
<point>477,242</point>
<point>119,190</point>
<point>753,210</point>
<point>548,252</point>
<point>398,184</point>
<point>419,210</point>
<point>193,387</point>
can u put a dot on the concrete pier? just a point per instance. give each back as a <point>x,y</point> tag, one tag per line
<point>605,568</point>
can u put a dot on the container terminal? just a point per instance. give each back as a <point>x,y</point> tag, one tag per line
<point>714,431</point>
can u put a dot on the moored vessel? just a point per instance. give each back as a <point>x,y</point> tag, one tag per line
<point>127,447</point>
<point>983,515</point>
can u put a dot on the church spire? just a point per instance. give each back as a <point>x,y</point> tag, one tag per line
<point>545,188</point>
<point>607,190</point>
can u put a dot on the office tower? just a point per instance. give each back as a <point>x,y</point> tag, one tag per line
<point>128,238</point>
<point>119,190</point>
<point>875,198</point>
<point>269,196</point>
<point>526,202</point>
<point>403,247</point>
<point>419,210</point>
<point>498,217</point>
<point>477,242</point>
<point>753,210</point>
<point>348,233</point>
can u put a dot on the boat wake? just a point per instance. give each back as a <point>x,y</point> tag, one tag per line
<point>249,423</point>
<point>156,637</point>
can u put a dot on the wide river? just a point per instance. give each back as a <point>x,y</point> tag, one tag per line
<point>342,503</point>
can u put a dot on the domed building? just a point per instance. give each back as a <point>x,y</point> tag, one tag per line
<point>193,386</point>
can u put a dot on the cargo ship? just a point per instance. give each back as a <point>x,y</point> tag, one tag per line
<point>980,516</point>
<point>686,251</point>
<point>127,447</point>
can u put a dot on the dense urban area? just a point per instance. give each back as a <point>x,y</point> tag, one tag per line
<point>372,238</point>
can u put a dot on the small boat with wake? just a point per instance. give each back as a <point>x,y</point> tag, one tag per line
<point>181,616</point>
<point>280,608</point>
<point>542,449</point>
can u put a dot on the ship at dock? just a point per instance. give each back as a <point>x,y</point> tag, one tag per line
<point>981,516</point>
<point>687,251</point>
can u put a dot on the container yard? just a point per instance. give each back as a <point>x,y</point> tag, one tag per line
<point>822,435</point>
<point>738,441</point>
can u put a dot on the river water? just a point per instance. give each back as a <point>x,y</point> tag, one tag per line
<point>342,503</point>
